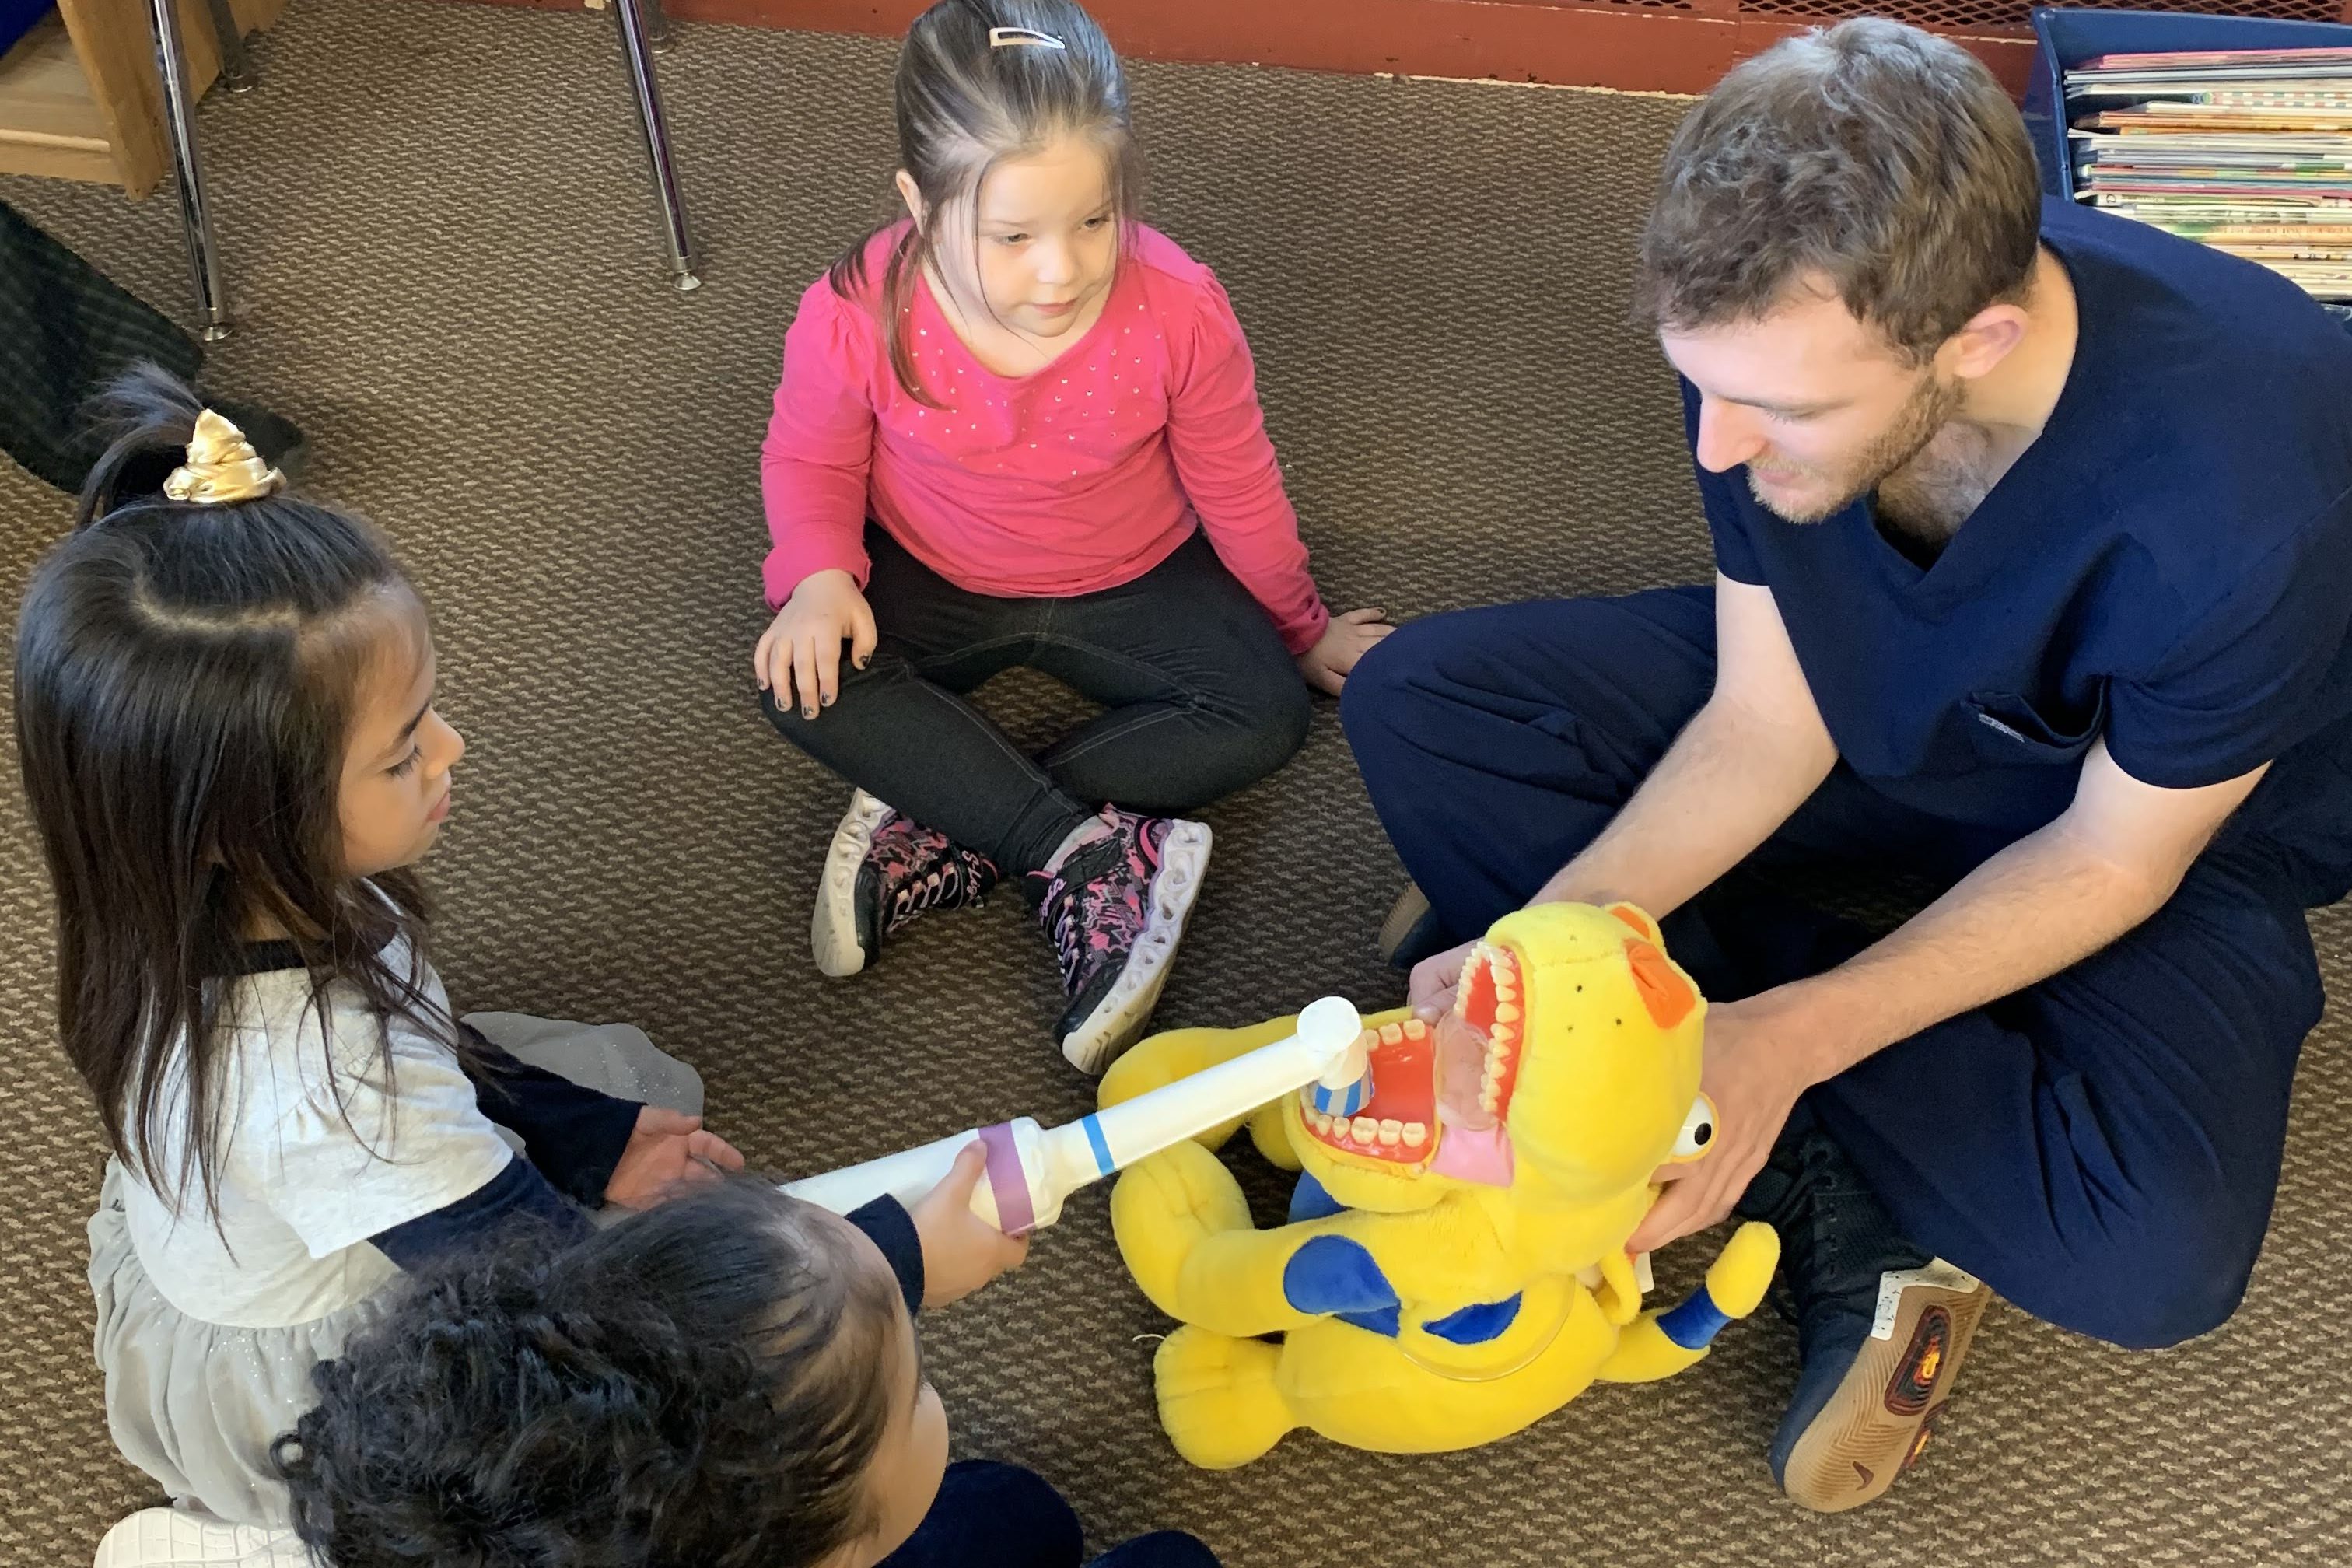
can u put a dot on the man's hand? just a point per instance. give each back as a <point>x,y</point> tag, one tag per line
<point>962,1251</point>
<point>802,647</point>
<point>1345,640</point>
<point>1755,1066</point>
<point>1430,988</point>
<point>667,1153</point>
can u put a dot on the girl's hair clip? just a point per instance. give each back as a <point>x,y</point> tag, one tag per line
<point>222,467</point>
<point>1014,37</point>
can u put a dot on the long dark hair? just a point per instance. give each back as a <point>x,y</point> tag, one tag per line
<point>965,105</point>
<point>703,1385</point>
<point>185,681</point>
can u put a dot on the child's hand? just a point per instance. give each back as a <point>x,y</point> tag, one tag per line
<point>962,1251</point>
<point>1343,642</point>
<point>667,1153</point>
<point>802,647</point>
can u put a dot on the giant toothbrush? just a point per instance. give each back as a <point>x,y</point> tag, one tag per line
<point>1033,1169</point>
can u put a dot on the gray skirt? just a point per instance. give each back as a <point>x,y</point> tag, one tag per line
<point>198,1404</point>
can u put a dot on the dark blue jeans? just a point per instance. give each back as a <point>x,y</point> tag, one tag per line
<point>1203,699</point>
<point>2102,1147</point>
<point>991,1515</point>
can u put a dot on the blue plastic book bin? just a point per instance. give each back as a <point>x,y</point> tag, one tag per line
<point>16,19</point>
<point>2065,39</point>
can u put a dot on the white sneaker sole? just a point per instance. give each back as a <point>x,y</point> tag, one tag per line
<point>1878,1422</point>
<point>174,1538</point>
<point>833,926</point>
<point>1119,1019</point>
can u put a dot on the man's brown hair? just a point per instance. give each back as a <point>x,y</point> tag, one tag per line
<point>1871,158</point>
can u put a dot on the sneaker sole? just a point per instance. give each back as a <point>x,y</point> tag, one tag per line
<point>1119,1019</point>
<point>1410,909</point>
<point>171,1538</point>
<point>833,927</point>
<point>1877,1422</point>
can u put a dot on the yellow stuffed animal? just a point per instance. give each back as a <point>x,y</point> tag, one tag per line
<point>1455,1267</point>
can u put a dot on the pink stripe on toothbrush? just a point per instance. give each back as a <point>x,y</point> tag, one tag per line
<point>1008,1184</point>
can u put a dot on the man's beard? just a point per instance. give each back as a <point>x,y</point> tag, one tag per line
<point>1930,406</point>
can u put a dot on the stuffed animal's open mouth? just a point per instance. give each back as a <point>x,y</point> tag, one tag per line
<point>1468,1065</point>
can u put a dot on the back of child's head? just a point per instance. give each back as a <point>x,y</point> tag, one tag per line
<point>704,1386</point>
<point>981,81</point>
<point>186,668</point>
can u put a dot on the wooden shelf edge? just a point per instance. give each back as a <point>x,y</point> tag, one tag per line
<point>79,98</point>
<point>50,122</point>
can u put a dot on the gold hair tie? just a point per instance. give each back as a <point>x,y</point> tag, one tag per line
<point>1014,37</point>
<point>222,467</point>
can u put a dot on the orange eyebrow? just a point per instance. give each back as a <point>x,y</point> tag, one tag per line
<point>1666,995</point>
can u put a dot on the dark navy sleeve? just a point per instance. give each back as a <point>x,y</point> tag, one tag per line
<point>1726,519</point>
<point>574,1134</point>
<point>2260,671</point>
<point>517,1194</point>
<point>889,1227</point>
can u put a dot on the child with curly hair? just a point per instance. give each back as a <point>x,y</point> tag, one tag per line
<point>734,1380</point>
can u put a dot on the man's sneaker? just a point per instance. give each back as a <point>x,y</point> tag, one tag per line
<point>880,873</point>
<point>1882,1327</point>
<point>185,1537</point>
<point>1410,932</point>
<point>1115,911</point>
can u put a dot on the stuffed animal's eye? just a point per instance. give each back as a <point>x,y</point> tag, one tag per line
<point>1698,1131</point>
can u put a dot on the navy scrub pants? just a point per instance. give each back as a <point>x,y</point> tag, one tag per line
<point>2103,1148</point>
<point>994,1515</point>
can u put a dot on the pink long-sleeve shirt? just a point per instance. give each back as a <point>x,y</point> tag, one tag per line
<point>1080,477</point>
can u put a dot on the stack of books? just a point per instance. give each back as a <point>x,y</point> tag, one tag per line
<point>2248,151</point>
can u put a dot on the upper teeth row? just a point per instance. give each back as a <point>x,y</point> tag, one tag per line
<point>1504,1037</point>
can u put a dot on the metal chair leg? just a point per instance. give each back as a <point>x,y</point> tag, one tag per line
<point>636,48</point>
<point>657,28</point>
<point>235,65</point>
<point>195,217</point>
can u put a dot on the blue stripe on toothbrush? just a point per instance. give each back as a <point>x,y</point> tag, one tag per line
<point>1104,1165</point>
<point>1342,1102</point>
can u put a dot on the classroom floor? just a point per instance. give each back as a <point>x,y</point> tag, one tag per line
<point>440,239</point>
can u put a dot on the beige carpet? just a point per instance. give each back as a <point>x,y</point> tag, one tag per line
<point>440,237</point>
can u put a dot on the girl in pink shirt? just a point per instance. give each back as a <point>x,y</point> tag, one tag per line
<point>1022,428</point>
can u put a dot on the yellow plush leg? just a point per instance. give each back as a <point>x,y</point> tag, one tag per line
<point>1363,1389</point>
<point>1218,1400</point>
<point>1184,1230</point>
<point>1736,1282</point>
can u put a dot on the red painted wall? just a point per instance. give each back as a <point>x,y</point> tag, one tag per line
<point>1683,46</point>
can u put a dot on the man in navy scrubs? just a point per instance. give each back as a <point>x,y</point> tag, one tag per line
<point>2033,538</point>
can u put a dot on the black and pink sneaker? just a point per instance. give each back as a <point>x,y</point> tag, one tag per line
<point>1115,912</point>
<point>880,873</point>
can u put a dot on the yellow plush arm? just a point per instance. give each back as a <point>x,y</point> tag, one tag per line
<point>1620,1298</point>
<point>1736,1282</point>
<point>1184,1230</point>
<point>1270,1131</point>
<point>1446,1253</point>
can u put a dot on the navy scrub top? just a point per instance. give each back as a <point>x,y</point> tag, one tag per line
<point>2169,564</point>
